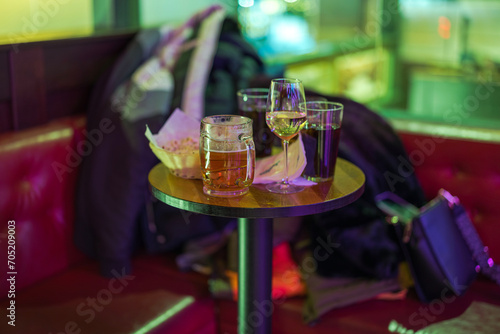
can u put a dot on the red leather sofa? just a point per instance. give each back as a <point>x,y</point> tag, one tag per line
<point>58,290</point>
<point>466,162</point>
<point>51,286</point>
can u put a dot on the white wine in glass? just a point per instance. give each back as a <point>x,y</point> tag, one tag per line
<point>286,124</point>
<point>285,121</point>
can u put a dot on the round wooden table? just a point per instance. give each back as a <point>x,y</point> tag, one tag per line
<point>255,211</point>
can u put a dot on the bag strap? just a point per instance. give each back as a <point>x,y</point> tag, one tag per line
<point>393,205</point>
<point>485,263</point>
<point>401,213</point>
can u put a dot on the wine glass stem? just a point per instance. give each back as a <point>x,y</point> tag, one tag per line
<point>285,148</point>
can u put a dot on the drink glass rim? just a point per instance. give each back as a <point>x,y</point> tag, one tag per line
<point>286,80</point>
<point>253,92</point>
<point>328,106</point>
<point>245,120</point>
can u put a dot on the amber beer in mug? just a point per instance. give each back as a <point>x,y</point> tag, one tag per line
<point>227,155</point>
<point>321,139</point>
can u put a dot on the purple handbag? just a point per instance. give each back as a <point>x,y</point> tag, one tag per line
<point>439,243</point>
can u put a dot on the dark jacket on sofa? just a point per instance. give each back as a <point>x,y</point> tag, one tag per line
<point>115,214</point>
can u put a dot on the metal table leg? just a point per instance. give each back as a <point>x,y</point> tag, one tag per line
<point>255,306</point>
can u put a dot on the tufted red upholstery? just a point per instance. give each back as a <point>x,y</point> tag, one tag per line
<point>38,199</point>
<point>54,281</point>
<point>466,168</point>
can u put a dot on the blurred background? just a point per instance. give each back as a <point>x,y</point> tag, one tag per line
<point>436,60</point>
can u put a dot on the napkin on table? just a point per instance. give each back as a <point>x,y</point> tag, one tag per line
<point>178,126</point>
<point>271,169</point>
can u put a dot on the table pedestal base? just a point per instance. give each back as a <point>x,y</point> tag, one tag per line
<point>255,249</point>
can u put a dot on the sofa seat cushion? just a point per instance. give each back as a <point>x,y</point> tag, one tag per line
<point>145,301</point>
<point>157,311</point>
<point>369,317</point>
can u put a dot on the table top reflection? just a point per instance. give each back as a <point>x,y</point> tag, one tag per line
<point>186,194</point>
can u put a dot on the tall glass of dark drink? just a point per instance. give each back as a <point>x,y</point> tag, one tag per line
<point>321,138</point>
<point>252,104</point>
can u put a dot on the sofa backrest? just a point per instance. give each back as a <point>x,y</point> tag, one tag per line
<point>38,172</point>
<point>46,80</point>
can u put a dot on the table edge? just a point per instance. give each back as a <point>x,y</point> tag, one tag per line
<point>269,212</point>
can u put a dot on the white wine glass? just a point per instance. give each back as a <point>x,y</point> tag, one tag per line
<point>285,120</point>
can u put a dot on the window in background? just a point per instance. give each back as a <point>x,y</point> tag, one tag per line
<point>432,59</point>
<point>155,13</point>
<point>344,54</point>
<point>277,27</point>
<point>34,20</point>
<point>451,50</point>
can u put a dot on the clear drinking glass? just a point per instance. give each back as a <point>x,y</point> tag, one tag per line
<point>252,103</point>
<point>227,155</point>
<point>285,120</point>
<point>321,138</point>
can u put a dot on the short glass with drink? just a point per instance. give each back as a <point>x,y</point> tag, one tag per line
<point>252,104</point>
<point>227,155</point>
<point>321,138</point>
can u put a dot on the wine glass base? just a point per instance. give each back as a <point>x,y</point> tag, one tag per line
<point>281,188</point>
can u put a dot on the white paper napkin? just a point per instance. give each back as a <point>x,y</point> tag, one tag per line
<point>271,169</point>
<point>177,127</point>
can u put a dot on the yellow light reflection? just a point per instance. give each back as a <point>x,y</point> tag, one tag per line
<point>53,135</point>
<point>446,130</point>
<point>34,20</point>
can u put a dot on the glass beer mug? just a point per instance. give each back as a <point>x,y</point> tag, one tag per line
<point>227,155</point>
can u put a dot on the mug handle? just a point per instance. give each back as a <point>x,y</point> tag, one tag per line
<point>248,140</point>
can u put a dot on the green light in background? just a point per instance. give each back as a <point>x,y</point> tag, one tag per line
<point>395,327</point>
<point>166,315</point>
